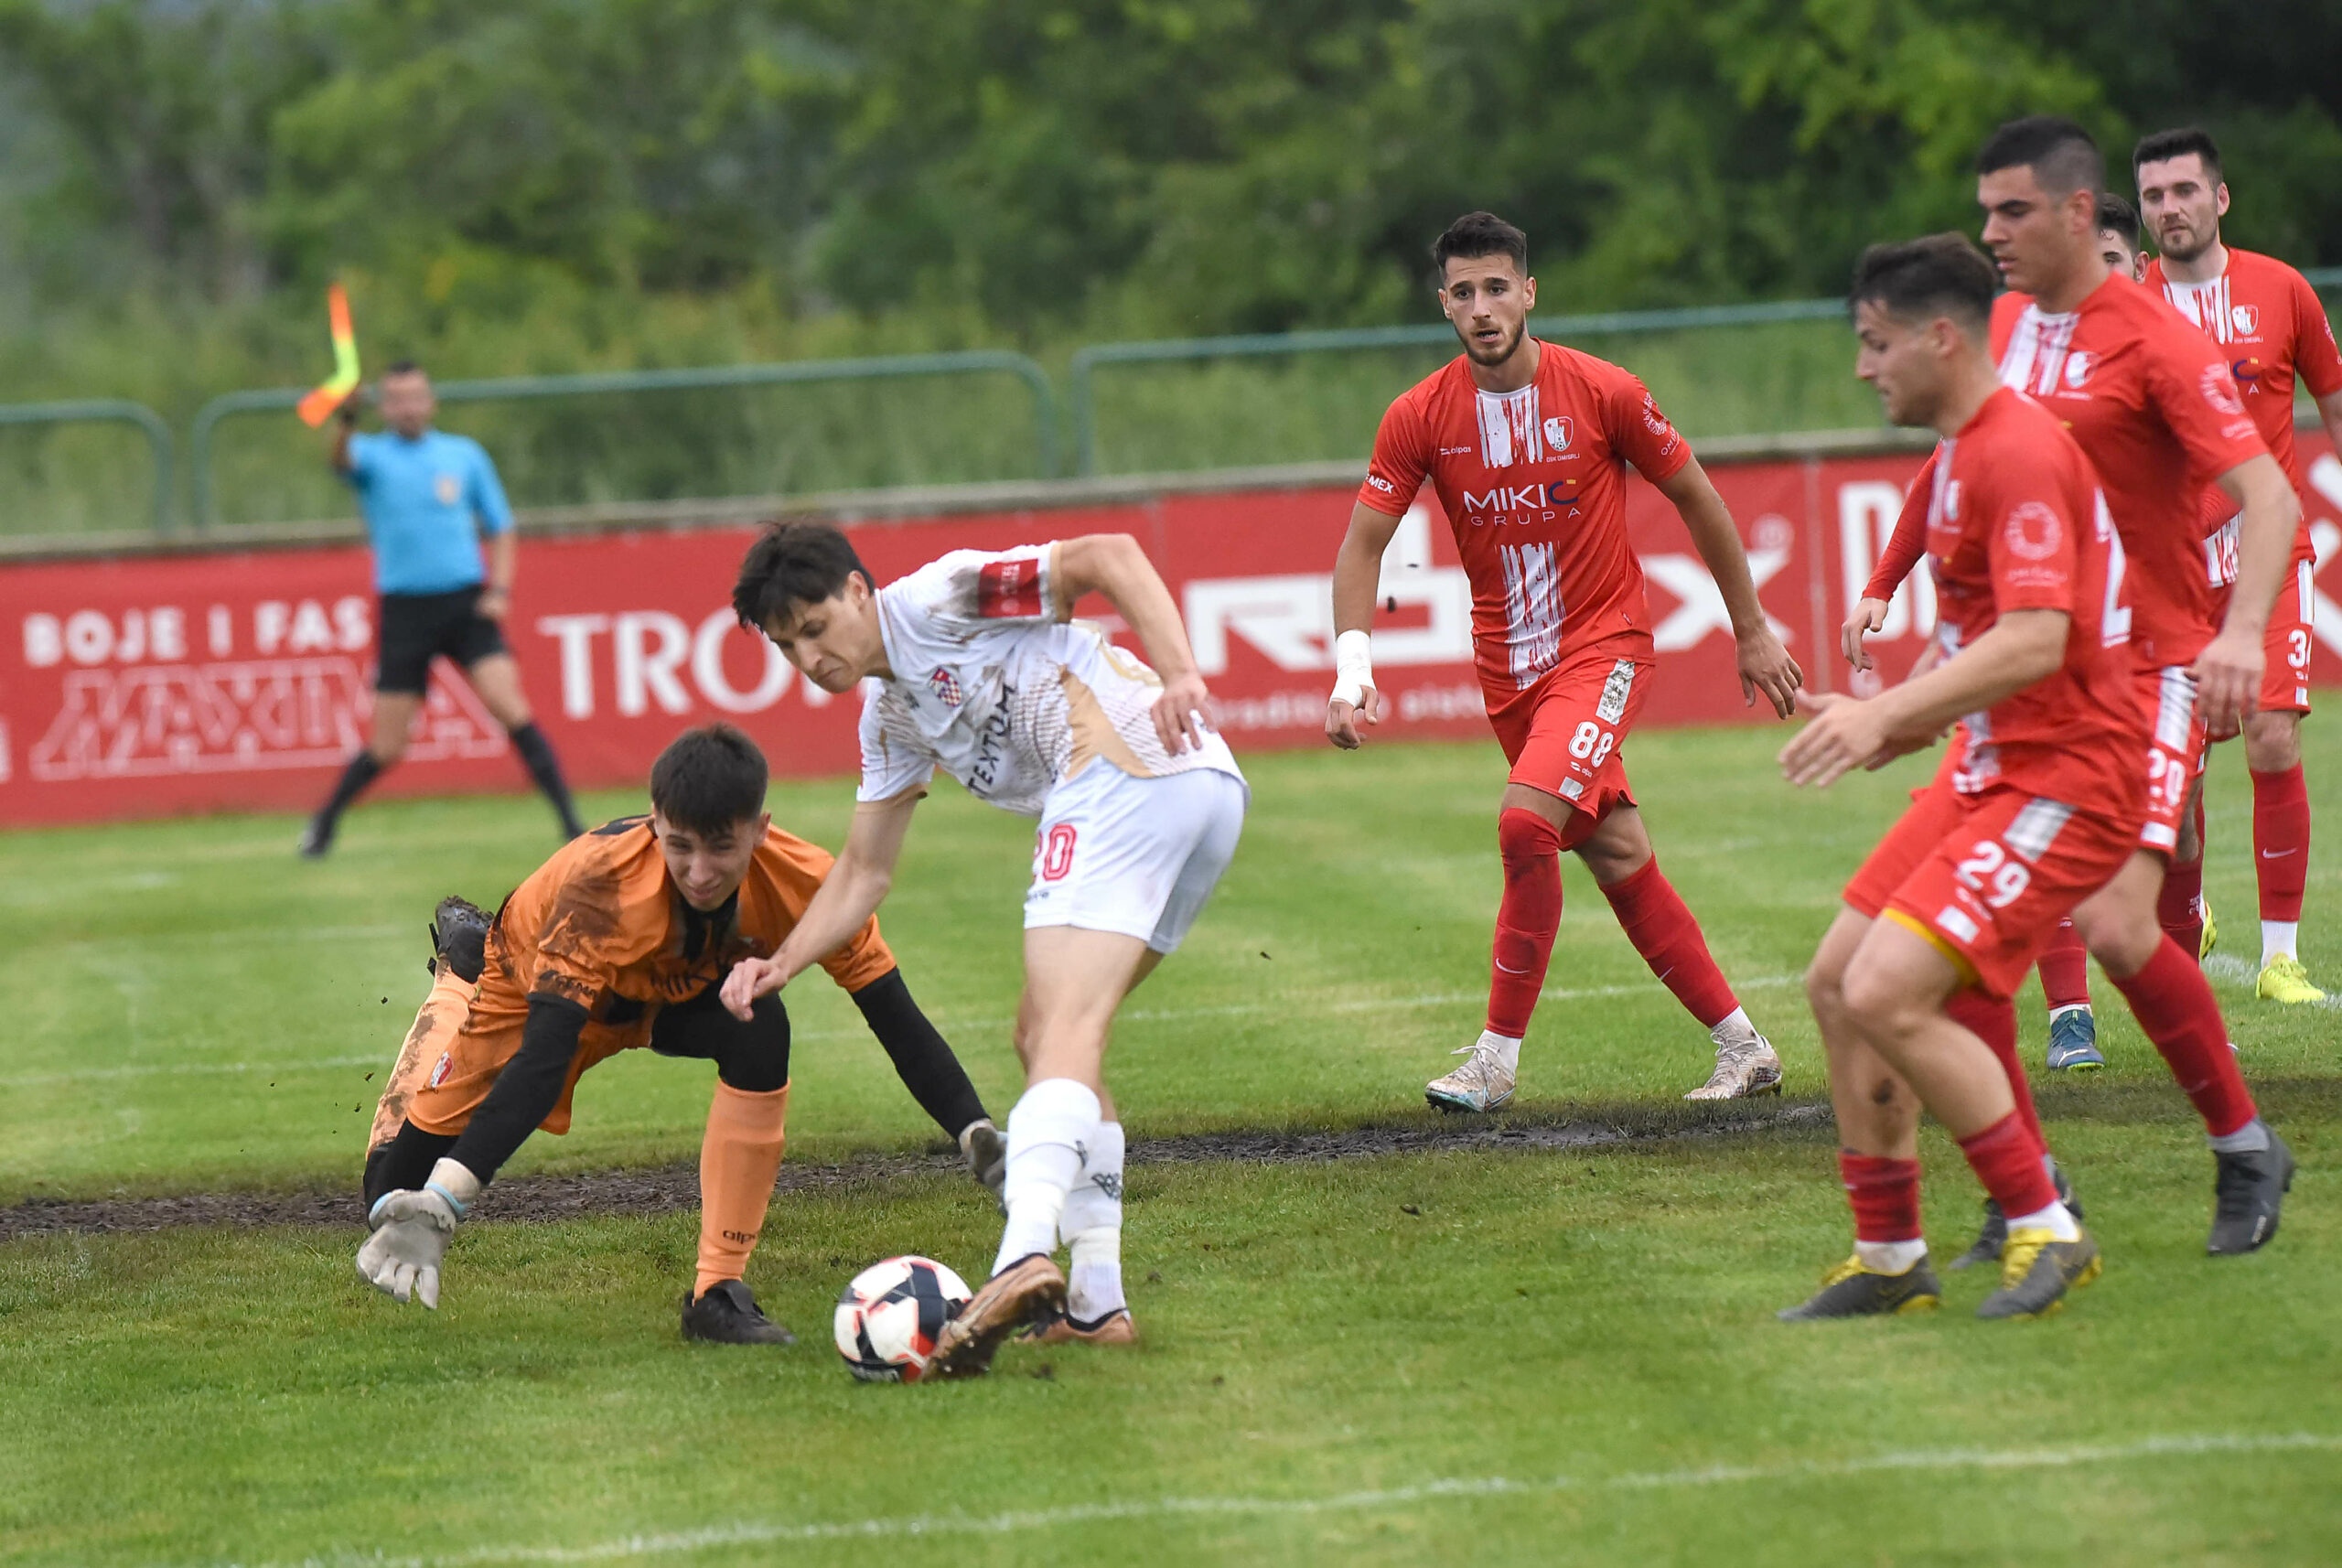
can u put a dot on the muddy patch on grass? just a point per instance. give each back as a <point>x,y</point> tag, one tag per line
<point>674,1188</point>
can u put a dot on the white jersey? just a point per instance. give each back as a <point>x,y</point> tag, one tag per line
<point>992,687</point>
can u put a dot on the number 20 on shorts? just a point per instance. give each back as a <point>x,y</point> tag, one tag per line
<point>1057,851</point>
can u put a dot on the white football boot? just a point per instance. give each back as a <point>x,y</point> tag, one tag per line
<point>1484,1082</point>
<point>1747,1065</point>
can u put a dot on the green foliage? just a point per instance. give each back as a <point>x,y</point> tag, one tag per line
<point>1145,165</point>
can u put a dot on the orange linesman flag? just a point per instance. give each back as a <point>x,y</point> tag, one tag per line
<point>318,406</point>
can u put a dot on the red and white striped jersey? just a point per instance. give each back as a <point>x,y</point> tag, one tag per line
<point>1533,483</point>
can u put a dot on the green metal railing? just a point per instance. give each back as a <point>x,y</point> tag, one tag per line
<point>111,411</point>
<point>1081,394</point>
<point>978,361</point>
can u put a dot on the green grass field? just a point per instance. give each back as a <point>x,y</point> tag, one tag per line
<point>1539,1353</point>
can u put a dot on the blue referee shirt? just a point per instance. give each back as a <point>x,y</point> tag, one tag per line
<point>421,500</point>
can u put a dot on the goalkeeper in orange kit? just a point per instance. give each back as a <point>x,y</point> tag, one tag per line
<point>620,940</point>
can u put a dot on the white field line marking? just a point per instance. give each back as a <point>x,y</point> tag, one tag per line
<point>2229,967</point>
<point>959,1025</point>
<point>760,1532</point>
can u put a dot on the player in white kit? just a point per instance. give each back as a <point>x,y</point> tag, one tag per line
<point>981,672</point>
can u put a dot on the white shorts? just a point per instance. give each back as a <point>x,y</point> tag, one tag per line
<point>1138,856</point>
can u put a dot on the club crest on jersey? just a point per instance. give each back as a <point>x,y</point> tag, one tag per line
<point>1557,433</point>
<point>448,488</point>
<point>439,1070</point>
<point>2245,320</point>
<point>2079,365</point>
<point>2034,532</point>
<point>946,687</point>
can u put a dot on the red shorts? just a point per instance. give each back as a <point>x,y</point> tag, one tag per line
<point>2284,674</point>
<point>1986,877</point>
<point>1563,736</point>
<point>2284,682</point>
<point>2175,751</point>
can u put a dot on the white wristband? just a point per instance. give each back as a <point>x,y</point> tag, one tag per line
<point>1353,667</point>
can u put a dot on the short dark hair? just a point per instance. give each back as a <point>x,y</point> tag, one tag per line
<point>402,368</point>
<point>708,779</point>
<point>1936,275</point>
<point>792,564</point>
<point>2060,153</point>
<point>2162,144</point>
<point>1481,234</point>
<point>2118,215</point>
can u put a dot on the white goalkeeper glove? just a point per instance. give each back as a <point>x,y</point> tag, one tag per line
<point>412,1230</point>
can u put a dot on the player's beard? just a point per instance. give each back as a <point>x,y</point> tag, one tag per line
<point>2198,242</point>
<point>1498,356</point>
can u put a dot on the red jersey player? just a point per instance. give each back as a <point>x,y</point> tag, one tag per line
<point>2275,331</point>
<point>1527,443</point>
<point>2154,407</point>
<point>2044,807</point>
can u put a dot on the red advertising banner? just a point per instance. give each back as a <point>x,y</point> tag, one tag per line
<point>239,680</point>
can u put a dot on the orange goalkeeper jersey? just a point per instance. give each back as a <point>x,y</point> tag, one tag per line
<point>601,925</point>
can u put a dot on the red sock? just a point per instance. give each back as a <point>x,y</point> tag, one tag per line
<point>1667,935</point>
<point>1993,1021</point>
<point>2175,1008</point>
<point>2280,842</point>
<point>2065,969</point>
<point>2006,1158</point>
<point>1526,921</point>
<point>2179,910</point>
<point>1883,1194</point>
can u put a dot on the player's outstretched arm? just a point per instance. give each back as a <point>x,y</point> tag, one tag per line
<point>1358,569</point>
<point>2021,648</point>
<point>345,423</point>
<point>2227,672</point>
<point>1765,665</point>
<point>410,1229</point>
<point>1114,565</point>
<point>838,910</point>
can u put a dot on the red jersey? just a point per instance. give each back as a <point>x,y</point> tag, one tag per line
<point>2156,410</point>
<point>2016,522</point>
<point>2273,328</point>
<point>1533,484</point>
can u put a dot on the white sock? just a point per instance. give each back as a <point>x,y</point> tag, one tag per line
<point>1736,1025</point>
<point>2251,1138</point>
<point>2278,939</point>
<point>1092,1228</point>
<point>1507,1048</point>
<point>1891,1257</point>
<point>2058,1013</point>
<point>1048,1131</point>
<point>2058,1219</point>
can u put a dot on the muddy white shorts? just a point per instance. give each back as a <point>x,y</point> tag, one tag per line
<point>1134,855</point>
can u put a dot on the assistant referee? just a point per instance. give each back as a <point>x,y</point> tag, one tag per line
<point>427,496</point>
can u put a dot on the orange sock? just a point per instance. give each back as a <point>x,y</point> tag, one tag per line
<point>738,1159</point>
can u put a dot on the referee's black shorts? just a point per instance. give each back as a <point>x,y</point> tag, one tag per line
<point>417,626</point>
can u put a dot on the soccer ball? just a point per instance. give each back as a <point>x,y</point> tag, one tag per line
<point>888,1318</point>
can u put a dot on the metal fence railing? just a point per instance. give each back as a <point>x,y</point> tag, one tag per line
<point>161,448</point>
<point>1080,408</point>
<point>1081,381</point>
<point>981,361</point>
